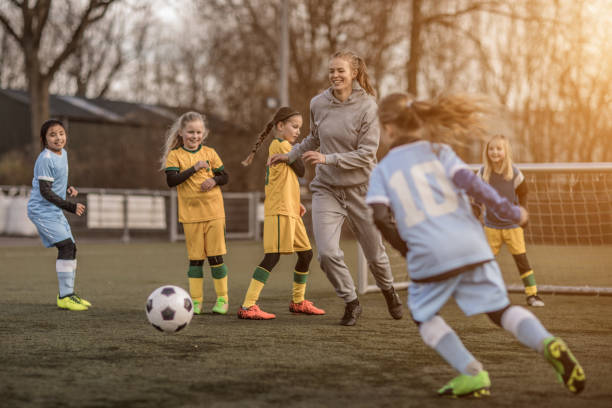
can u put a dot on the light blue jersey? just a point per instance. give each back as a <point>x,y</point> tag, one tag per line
<point>49,219</point>
<point>433,216</point>
<point>49,167</point>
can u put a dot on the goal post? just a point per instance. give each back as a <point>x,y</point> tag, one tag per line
<point>569,234</point>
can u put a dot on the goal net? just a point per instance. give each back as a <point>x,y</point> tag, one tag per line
<point>569,235</point>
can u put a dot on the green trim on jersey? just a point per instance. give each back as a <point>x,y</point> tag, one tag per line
<point>218,169</point>
<point>172,169</point>
<point>192,151</point>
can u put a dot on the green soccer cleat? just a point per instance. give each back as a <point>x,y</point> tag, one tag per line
<point>476,386</point>
<point>221,306</point>
<point>82,301</point>
<point>569,372</point>
<point>70,302</point>
<point>197,307</point>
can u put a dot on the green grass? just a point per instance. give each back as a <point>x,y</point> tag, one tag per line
<point>111,357</point>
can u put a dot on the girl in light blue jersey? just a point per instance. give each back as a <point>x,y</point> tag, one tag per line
<point>47,200</point>
<point>419,196</point>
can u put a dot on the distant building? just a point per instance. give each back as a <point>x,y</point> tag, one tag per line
<point>117,144</point>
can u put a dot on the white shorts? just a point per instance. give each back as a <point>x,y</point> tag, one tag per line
<point>479,290</point>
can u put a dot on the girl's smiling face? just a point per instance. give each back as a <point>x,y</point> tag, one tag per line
<point>496,151</point>
<point>192,134</point>
<point>56,139</point>
<point>289,130</point>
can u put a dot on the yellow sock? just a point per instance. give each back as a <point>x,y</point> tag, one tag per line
<point>195,289</point>
<point>260,277</point>
<point>299,286</point>
<point>252,294</point>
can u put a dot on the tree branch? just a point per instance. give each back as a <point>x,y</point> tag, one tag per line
<point>86,20</point>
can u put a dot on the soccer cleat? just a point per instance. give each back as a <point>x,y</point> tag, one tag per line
<point>305,307</point>
<point>82,301</point>
<point>476,386</point>
<point>70,302</point>
<point>197,307</point>
<point>535,301</point>
<point>569,371</point>
<point>220,306</point>
<point>352,311</point>
<point>394,304</point>
<point>254,313</point>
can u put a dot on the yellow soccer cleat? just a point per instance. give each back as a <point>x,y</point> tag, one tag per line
<point>71,302</point>
<point>83,301</point>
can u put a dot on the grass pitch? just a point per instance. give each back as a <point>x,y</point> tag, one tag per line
<point>110,356</point>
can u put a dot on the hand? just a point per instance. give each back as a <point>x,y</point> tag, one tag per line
<point>312,157</point>
<point>278,158</point>
<point>524,217</point>
<point>80,209</point>
<point>200,165</point>
<point>208,184</point>
<point>302,210</point>
<point>72,192</point>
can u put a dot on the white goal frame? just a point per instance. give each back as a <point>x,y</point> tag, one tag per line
<point>363,286</point>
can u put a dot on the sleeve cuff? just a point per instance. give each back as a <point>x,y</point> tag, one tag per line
<point>331,159</point>
<point>377,200</point>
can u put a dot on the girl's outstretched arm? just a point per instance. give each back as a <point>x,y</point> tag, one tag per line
<point>483,193</point>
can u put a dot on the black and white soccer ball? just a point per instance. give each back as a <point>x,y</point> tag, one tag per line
<point>169,308</point>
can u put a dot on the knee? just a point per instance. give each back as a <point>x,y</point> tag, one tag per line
<point>215,260</point>
<point>66,250</point>
<point>433,330</point>
<point>304,258</point>
<point>522,263</point>
<point>496,316</point>
<point>270,260</point>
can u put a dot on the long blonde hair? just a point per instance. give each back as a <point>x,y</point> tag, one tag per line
<point>357,64</point>
<point>454,119</point>
<point>283,114</point>
<point>173,138</point>
<point>506,168</point>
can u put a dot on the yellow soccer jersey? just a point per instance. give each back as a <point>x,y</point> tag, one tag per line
<point>195,205</point>
<point>282,186</point>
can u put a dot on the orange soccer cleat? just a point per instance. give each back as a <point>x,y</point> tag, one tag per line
<point>305,307</point>
<point>254,313</point>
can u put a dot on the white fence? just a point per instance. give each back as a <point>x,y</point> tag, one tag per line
<point>125,213</point>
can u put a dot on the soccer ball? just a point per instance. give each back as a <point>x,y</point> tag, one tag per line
<point>169,308</point>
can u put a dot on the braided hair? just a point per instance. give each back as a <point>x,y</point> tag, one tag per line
<point>281,115</point>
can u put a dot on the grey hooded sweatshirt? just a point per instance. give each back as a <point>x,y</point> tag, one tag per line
<point>347,133</point>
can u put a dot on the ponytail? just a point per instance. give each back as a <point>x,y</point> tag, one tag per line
<point>455,119</point>
<point>281,115</point>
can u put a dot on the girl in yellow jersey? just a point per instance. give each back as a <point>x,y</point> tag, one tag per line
<point>284,231</point>
<point>197,172</point>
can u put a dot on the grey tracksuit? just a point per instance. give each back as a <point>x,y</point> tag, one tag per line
<point>347,133</point>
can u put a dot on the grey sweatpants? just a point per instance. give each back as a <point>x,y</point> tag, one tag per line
<point>331,206</point>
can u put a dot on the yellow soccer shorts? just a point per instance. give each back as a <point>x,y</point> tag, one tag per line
<point>205,238</point>
<point>513,237</point>
<point>285,235</point>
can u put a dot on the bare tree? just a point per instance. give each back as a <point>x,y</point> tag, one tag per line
<point>28,25</point>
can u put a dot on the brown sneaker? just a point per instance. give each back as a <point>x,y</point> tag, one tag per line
<point>352,311</point>
<point>254,313</point>
<point>305,307</point>
<point>394,304</point>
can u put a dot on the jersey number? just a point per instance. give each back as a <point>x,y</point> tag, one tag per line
<point>421,175</point>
